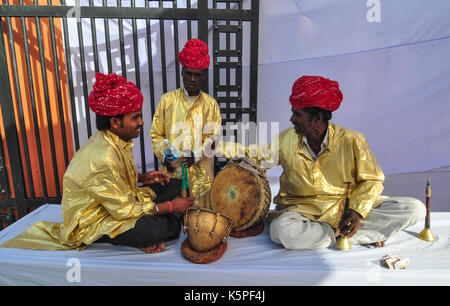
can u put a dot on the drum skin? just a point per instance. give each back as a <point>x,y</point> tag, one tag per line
<point>242,195</point>
<point>206,228</point>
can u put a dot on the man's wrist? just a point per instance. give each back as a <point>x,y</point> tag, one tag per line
<point>170,206</point>
<point>156,210</point>
<point>357,213</point>
<point>163,208</point>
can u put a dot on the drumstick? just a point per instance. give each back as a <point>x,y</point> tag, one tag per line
<point>183,182</point>
<point>186,177</point>
<point>347,200</point>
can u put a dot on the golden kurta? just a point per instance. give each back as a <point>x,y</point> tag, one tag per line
<point>186,127</point>
<point>101,196</point>
<point>316,188</point>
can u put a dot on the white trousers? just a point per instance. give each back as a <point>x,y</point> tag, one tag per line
<point>389,216</point>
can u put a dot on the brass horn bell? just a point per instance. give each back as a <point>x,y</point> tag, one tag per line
<point>343,243</point>
<point>427,235</point>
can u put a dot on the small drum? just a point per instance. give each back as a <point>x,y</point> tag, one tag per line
<point>241,191</point>
<point>205,228</point>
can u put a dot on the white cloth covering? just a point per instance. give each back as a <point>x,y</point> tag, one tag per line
<point>252,261</point>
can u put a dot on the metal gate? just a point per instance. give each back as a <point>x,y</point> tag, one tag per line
<point>51,49</point>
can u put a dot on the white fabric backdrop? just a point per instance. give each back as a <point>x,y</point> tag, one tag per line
<point>391,59</point>
<point>394,74</point>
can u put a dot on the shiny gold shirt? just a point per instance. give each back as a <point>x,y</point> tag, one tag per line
<point>101,196</point>
<point>316,188</point>
<point>186,126</point>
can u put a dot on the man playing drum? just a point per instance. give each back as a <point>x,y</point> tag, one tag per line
<point>101,200</point>
<point>187,116</point>
<point>318,159</point>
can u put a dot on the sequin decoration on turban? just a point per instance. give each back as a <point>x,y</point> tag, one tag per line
<point>310,91</point>
<point>113,95</point>
<point>194,55</point>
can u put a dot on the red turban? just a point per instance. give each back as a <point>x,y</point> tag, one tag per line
<point>113,95</point>
<point>310,91</point>
<point>194,55</point>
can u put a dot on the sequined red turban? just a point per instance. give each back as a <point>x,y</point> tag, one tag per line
<point>309,91</point>
<point>194,55</point>
<point>113,95</point>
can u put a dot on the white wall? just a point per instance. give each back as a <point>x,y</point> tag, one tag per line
<point>391,59</point>
<point>393,67</point>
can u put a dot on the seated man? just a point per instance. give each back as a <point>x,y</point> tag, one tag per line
<point>101,198</point>
<point>186,116</point>
<point>318,158</point>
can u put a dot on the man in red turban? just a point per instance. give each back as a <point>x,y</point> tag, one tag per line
<point>102,201</point>
<point>318,159</point>
<point>187,111</point>
<point>114,100</point>
<point>313,99</point>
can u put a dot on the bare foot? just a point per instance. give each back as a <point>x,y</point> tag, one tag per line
<point>381,244</point>
<point>154,248</point>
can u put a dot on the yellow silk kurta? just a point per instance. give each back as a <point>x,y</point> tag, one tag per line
<point>101,196</point>
<point>317,189</point>
<point>186,127</point>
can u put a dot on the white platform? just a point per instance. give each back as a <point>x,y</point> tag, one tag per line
<point>253,261</point>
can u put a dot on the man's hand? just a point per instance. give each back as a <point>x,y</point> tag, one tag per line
<point>181,204</point>
<point>350,224</point>
<point>169,166</point>
<point>188,158</point>
<point>153,177</point>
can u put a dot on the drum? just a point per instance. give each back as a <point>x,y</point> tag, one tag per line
<point>205,228</point>
<point>203,257</point>
<point>241,191</point>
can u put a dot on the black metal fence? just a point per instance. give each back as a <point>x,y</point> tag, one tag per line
<point>138,39</point>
